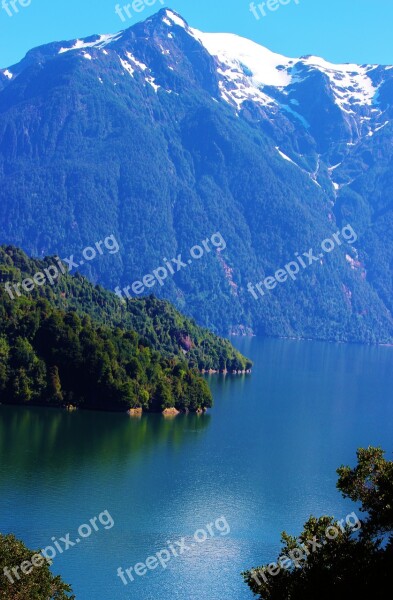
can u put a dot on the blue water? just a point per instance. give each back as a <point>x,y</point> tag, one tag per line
<point>264,459</point>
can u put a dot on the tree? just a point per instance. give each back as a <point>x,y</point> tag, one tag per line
<point>20,386</point>
<point>163,395</point>
<point>38,584</point>
<point>357,562</point>
<point>55,393</point>
<point>4,355</point>
<point>371,483</point>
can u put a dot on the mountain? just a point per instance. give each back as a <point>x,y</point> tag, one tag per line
<point>164,137</point>
<point>77,343</point>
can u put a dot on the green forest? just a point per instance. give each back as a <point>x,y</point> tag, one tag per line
<point>35,581</point>
<point>76,344</point>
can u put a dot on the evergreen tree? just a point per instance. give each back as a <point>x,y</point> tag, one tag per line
<point>357,562</point>
<point>38,584</point>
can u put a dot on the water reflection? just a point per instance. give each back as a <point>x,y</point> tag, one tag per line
<point>41,439</point>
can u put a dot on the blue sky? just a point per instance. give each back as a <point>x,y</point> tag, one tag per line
<point>338,30</point>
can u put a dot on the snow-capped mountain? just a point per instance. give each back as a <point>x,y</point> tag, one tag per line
<point>162,133</point>
<point>253,69</point>
<point>249,71</point>
<point>354,98</point>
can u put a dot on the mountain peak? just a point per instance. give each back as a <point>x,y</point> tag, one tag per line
<point>244,70</point>
<point>163,133</point>
<point>173,17</point>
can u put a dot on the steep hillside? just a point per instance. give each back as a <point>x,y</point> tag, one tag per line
<point>69,343</point>
<point>158,325</point>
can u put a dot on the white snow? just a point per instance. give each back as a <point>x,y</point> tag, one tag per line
<point>151,80</point>
<point>350,82</point>
<point>351,261</point>
<point>312,176</point>
<point>248,71</point>
<point>103,41</point>
<point>130,68</point>
<point>285,157</point>
<point>88,56</point>
<point>107,38</point>
<point>334,167</point>
<point>381,126</point>
<point>246,68</point>
<point>126,65</point>
<point>8,74</point>
<point>176,19</point>
<point>78,44</point>
<point>136,62</point>
<point>234,52</point>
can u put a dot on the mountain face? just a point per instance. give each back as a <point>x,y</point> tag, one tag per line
<point>165,137</point>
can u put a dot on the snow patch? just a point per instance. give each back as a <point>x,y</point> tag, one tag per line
<point>136,62</point>
<point>334,167</point>
<point>108,38</point>
<point>8,74</point>
<point>285,157</point>
<point>151,81</point>
<point>382,126</point>
<point>102,41</point>
<point>355,264</point>
<point>176,19</point>
<point>244,67</point>
<point>126,65</point>
<point>78,44</point>
<point>247,68</point>
<point>350,83</point>
<point>242,56</point>
<point>130,68</point>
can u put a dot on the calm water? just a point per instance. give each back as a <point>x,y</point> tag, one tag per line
<point>264,458</point>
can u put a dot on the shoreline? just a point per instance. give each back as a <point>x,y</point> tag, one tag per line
<point>137,412</point>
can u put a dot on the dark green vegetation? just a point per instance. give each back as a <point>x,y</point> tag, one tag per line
<point>354,565</point>
<point>87,150</point>
<point>49,433</point>
<point>74,343</point>
<point>38,584</point>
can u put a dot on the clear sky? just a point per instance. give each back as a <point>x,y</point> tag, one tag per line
<point>338,30</point>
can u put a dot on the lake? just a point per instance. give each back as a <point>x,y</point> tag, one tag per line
<point>264,459</point>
